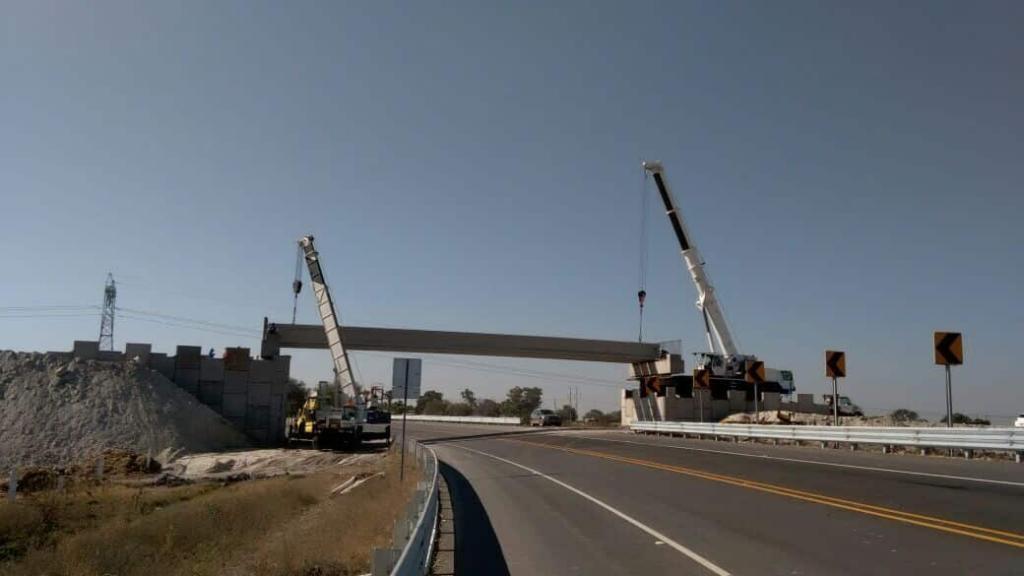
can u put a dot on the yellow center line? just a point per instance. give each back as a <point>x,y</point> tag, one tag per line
<point>979,532</point>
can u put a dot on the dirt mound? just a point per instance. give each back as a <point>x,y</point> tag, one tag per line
<point>58,412</point>
<point>801,418</point>
<point>260,463</point>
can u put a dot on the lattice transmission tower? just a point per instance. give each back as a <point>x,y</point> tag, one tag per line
<point>107,320</point>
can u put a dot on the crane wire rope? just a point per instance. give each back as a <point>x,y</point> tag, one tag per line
<point>297,283</point>
<point>641,294</point>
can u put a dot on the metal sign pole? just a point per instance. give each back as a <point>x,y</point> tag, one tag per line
<point>949,398</point>
<point>405,410</point>
<point>835,401</point>
<point>755,403</point>
<point>700,401</point>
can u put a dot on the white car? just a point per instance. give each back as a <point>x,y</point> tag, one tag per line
<point>1019,422</point>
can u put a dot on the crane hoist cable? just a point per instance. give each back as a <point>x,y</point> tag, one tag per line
<point>641,294</point>
<point>297,283</point>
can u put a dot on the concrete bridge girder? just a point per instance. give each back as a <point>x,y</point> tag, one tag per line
<point>400,340</point>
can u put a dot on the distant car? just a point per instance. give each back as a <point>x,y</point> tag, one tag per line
<point>1019,422</point>
<point>543,417</point>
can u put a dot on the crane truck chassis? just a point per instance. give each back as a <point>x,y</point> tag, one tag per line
<point>322,425</point>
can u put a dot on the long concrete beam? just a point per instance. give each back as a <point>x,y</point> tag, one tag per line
<point>279,336</point>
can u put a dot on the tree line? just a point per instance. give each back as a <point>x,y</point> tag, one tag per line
<point>519,402</point>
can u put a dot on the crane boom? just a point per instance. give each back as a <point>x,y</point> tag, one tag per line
<point>325,304</point>
<point>714,319</point>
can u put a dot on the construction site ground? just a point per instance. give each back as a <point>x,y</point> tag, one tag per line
<point>248,512</point>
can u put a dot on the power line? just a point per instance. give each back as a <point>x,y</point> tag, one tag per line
<point>52,315</point>
<point>246,329</point>
<point>253,334</point>
<point>45,308</point>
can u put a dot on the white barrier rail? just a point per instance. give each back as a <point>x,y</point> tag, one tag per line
<point>1009,439</point>
<point>421,529</point>
<point>513,421</point>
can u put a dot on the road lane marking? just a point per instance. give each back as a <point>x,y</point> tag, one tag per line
<point>711,566</point>
<point>979,532</point>
<point>799,460</point>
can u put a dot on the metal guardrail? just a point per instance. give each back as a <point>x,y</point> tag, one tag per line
<point>1009,439</point>
<point>513,421</point>
<point>416,528</point>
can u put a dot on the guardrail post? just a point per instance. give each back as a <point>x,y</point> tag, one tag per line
<point>1019,456</point>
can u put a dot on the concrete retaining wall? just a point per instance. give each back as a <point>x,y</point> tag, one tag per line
<point>250,393</point>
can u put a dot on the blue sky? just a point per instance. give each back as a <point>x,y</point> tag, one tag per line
<point>851,173</point>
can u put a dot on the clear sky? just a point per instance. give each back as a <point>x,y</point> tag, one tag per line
<point>851,172</point>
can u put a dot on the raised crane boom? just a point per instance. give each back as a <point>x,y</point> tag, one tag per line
<point>714,320</point>
<point>342,367</point>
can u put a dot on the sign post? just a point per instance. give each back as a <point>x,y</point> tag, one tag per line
<point>835,368</point>
<point>755,376</point>
<point>701,381</point>
<point>405,374</point>
<point>949,351</point>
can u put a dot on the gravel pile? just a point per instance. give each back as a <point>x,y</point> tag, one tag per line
<point>55,411</point>
<point>785,417</point>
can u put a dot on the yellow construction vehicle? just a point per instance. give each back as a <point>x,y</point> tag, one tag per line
<point>322,422</point>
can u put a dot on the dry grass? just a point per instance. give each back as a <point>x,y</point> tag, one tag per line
<point>284,525</point>
<point>39,521</point>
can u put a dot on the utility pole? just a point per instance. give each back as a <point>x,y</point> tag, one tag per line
<point>577,406</point>
<point>107,319</point>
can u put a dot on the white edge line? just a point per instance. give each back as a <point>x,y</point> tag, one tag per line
<point>784,459</point>
<point>651,531</point>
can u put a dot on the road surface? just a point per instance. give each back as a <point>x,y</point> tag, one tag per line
<point>611,502</point>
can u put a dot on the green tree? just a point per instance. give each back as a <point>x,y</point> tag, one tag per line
<point>904,415</point>
<point>468,397</point>
<point>959,418</point>
<point>430,397</point>
<point>296,395</point>
<point>399,408</point>
<point>459,409</point>
<point>521,402</point>
<point>487,407</point>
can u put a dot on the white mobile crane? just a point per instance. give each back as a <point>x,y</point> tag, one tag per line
<point>340,414</point>
<point>725,362</point>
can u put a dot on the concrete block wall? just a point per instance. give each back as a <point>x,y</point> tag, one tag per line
<point>140,351</point>
<point>251,393</point>
<point>737,401</point>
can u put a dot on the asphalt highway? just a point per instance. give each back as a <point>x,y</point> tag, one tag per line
<point>611,502</point>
